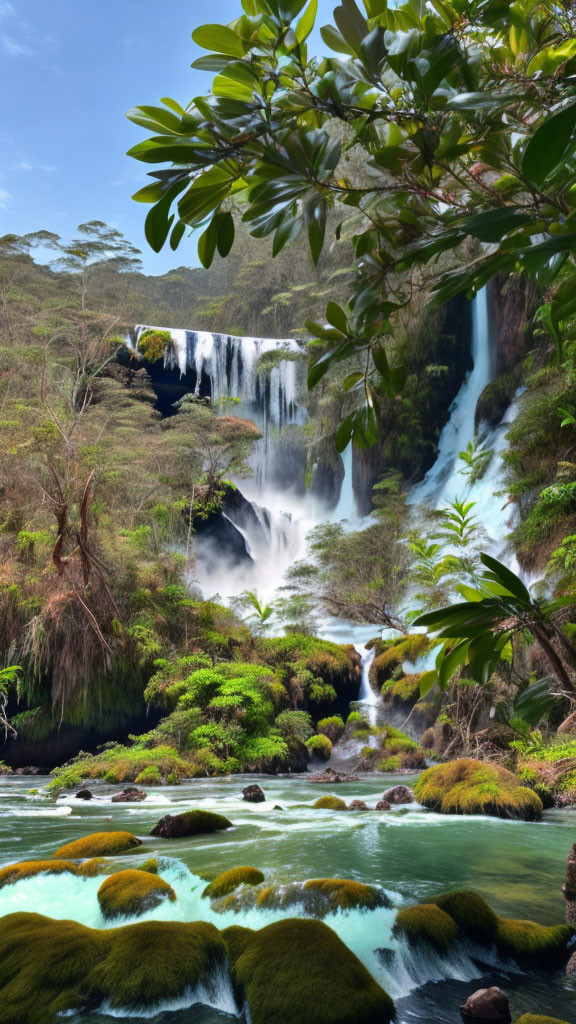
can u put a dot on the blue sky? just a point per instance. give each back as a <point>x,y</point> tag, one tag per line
<point>69,70</point>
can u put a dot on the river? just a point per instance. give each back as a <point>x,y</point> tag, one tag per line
<point>413,854</point>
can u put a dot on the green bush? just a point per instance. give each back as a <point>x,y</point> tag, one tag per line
<point>320,745</point>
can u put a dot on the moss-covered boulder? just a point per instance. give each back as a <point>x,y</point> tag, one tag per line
<point>49,967</point>
<point>533,944</point>
<point>529,1018</point>
<point>330,803</point>
<point>427,923</point>
<point>228,881</point>
<point>468,786</point>
<point>475,919</point>
<point>98,844</point>
<point>132,893</point>
<point>30,868</point>
<point>300,971</point>
<point>317,897</point>
<point>190,823</point>
<point>458,916</point>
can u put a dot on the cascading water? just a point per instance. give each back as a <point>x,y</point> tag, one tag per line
<point>447,479</point>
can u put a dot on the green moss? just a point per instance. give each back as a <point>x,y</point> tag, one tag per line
<point>28,869</point>
<point>427,923</point>
<point>228,881</point>
<point>467,786</point>
<point>332,727</point>
<point>531,943</point>
<point>131,893</point>
<point>330,803</point>
<point>152,344</point>
<point>152,865</point>
<point>529,1018</point>
<point>343,894</point>
<point>300,971</point>
<point>475,919</point>
<point>48,967</point>
<point>320,745</point>
<point>389,764</point>
<point>99,844</point>
<point>496,398</point>
<point>150,776</point>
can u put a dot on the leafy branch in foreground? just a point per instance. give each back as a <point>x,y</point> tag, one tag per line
<point>440,136</point>
<point>475,632</point>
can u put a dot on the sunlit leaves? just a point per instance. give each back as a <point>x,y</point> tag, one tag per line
<point>220,39</point>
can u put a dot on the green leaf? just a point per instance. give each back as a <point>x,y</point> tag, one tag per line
<point>427,681</point>
<point>551,143</point>
<point>343,435</point>
<point>337,316</point>
<point>335,41</point>
<point>220,39</point>
<point>492,225</point>
<point>207,245</point>
<point>306,23</point>
<point>226,233</point>
<point>316,220</point>
<point>177,233</point>
<point>507,578</point>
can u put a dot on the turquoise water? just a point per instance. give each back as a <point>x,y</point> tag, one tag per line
<point>413,854</point>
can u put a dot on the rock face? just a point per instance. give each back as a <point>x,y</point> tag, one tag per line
<point>254,794</point>
<point>486,1005</point>
<point>569,888</point>
<point>191,823</point>
<point>398,795</point>
<point>84,794</point>
<point>129,795</point>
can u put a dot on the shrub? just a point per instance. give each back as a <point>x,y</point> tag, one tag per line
<point>332,727</point>
<point>150,776</point>
<point>152,344</point>
<point>320,745</point>
<point>467,786</point>
<point>228,881</point>
<point>132,893</point>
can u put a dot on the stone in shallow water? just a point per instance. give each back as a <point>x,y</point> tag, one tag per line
<point>129,795</point>
<point>191,823</point>
<point>84,794</point>
<point>98,844</point>
<point>382,805</point>
<point>486,1006</point>
<point>254,794</point>
<point>399,795</point>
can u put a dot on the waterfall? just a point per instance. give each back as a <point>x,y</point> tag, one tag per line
<point>368,698</point>
<point>443,482</point>
<point>447,478</point>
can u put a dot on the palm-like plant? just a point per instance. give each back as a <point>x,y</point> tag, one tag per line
<point>473,633</point>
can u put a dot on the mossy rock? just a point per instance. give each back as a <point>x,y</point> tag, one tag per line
<point>330,803</point>
<point>475,919</point>
<point>30,868</point>
<point>317,897</point>
<point>468,786</point>
<point>98,844</point>
<point>228,881</point>
<point>152,344</point>
<point>150,776</point>
<point>48,967</point>
<point>190,823</point>
<point>429,924</point>
<point>495,399</point>
<point>344,894</point>
<point>300,971</point>
<point>132,893</point>
<point>529,1018</point>
<point>532,944</point>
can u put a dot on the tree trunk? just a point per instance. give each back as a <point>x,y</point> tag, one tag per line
<point>554,660</point>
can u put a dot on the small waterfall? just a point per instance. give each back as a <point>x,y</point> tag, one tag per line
<point>368,697</point>
<point>444,481</point>
<point>347,509</point>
